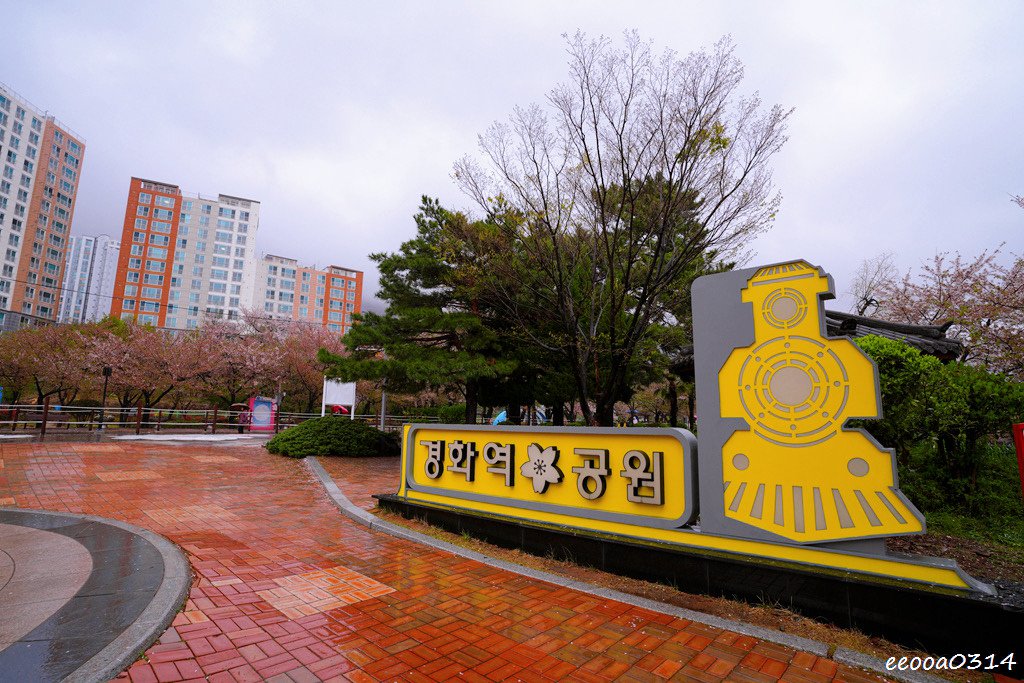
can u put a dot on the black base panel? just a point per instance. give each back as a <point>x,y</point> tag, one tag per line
<point>937,623</point>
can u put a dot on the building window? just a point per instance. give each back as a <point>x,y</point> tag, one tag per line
<point>145,198</point>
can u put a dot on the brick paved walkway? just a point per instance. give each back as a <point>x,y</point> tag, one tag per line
<point>288,589</point>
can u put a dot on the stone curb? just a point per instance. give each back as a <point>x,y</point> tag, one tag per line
<point>154,620</point>
<point>842,655</point>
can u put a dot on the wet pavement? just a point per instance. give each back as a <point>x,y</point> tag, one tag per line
<point>288,589</point>
<point>73,592</point>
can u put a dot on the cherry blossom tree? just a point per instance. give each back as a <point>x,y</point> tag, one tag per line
<point>240,363</point>
<point>57,361</point>
<point>15,365</point>
<point>982,297</point>
<point>296,347</point>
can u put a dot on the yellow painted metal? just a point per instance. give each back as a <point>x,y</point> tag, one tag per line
<point>546,469</point>
<point>796,472</point>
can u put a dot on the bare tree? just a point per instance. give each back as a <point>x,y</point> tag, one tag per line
<point>631,171</point>
<point>869,279</point>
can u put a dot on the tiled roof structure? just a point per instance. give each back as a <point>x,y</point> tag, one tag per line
<point>928,339</point>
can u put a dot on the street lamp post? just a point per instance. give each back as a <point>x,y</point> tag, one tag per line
<point>107,372</point>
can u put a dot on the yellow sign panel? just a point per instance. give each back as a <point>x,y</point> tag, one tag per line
<point>796,472</point>
<point>635,476</point>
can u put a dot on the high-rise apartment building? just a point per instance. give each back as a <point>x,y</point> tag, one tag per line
<point>289,291</point>
<point>185,258</point>
<point>89,275</point>
<point>40,167</point>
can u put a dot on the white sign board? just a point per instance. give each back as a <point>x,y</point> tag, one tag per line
<point>338,394</point>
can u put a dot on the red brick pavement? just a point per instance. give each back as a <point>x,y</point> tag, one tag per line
<point>287,589</point>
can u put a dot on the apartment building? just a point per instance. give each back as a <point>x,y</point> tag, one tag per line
<point>40,168</point>
<point>185,258</point>
<point>287,290</point>
<point>89,275</point>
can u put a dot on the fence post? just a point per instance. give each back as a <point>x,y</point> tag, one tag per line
<point>138,419</point>
<point>14,420</point>
<point>214,428</point>
<point>158,420</point>
<point>277,419</point>
<point>206,420</point>
<point>1018,441</point>
<point>46,414</point>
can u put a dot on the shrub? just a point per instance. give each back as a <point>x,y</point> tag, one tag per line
<point>334,436</point>
<point>907,381</point>
<point>949,425</point>
<point>452,414</point>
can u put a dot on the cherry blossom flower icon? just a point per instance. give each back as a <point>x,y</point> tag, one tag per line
<point>540,467</point>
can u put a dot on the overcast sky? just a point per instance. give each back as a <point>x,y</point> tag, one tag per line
<point>907,133</point>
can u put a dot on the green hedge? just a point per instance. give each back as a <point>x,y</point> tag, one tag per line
<point>950,427</point>
<point>334,436</point>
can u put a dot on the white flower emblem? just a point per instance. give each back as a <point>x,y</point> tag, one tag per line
<point>540,468</point>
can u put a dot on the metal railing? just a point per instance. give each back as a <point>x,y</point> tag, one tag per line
<point>50,417</point>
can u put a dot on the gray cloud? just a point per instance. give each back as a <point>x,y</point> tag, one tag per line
<point>338,116</point>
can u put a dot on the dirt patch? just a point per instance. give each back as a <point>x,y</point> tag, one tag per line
<point>985,561</point>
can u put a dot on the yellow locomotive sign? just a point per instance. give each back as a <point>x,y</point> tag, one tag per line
<point>796,472</point>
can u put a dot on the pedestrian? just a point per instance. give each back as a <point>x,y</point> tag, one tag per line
<point>243,420</point>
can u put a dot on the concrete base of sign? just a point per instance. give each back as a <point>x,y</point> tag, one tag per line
<point>940,620</point>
